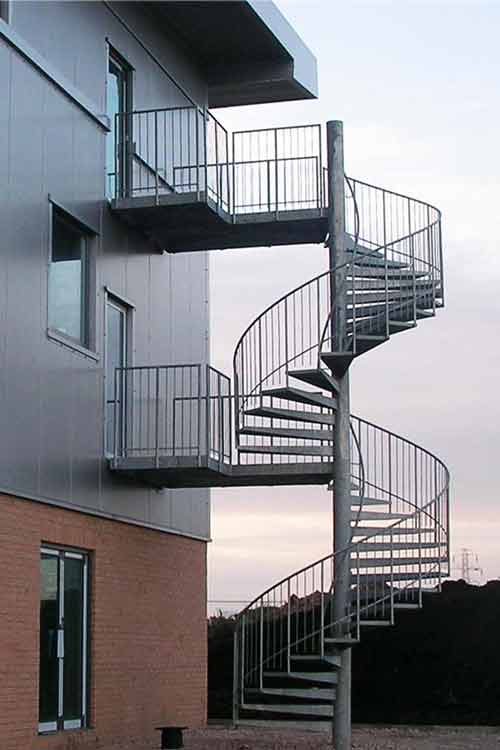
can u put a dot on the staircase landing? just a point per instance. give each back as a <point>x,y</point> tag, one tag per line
<point>203,471</point>
<point>186,222</point>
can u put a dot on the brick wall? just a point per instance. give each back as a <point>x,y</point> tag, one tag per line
<point>148,626</point>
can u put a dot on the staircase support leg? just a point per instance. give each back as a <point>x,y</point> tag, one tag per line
<point>342,587</point>
<point>342,710</point>
<point>342,453</point>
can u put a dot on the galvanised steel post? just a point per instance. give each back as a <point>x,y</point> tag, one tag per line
<point>341,457</point>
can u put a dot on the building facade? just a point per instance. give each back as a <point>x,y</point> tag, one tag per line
<point>103,596</point>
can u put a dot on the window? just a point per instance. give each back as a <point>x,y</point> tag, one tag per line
<point>118,330</point>
<point>63,639</point>
<point>69,278</point>
<point>118,100</point>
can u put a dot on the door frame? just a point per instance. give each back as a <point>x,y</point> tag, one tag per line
<point>128,307</point>
<point>61,553</point>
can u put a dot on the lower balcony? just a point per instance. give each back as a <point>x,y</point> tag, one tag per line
<point>174,427</point>
<point>188,185</point>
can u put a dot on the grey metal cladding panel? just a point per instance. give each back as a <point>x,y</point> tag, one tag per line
<point>87,435</point>
<point>189,302</point>
<point>19,411</point>
<point>49,27</point>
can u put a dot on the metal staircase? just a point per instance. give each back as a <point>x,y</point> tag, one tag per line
<point>183,181</point>
<point>288,641</point>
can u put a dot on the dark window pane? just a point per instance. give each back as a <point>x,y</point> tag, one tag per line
<point>49,619</point>
<point>67,277</point>
<point>73,638</point>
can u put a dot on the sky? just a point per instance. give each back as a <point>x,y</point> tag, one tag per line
<point>417,87</point>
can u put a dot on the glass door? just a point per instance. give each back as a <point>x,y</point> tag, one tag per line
<point>63,640</point>
<point>118,101</point>
<point>116,356</point>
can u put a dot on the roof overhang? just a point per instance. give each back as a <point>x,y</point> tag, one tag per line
<point>248,51</point>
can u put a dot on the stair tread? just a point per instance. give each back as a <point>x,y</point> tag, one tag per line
<point>288,450</point>
<point>301,396</point>
<point>311,709</point>
<point>316,377</point>
<point>296,415</point>
<point>309,693</point>
<point>325,676</point>
<point>289,432</point>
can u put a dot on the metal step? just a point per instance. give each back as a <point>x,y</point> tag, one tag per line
<point>401,605</point>
<point>334,660</point>
<point>338,362</point>
<point>375,623</point>
<point>373,515</point>
<point>364,531</point>
<point>365,342</point>
<point>296,725</point>
<point>367,271</point>
<point>373,259</point>
<point>310,693</point>
<point>288,450</point>
<point>301,396</point>
<point>329,677</point>
<point>313,709</point>
<point>394,562</point>
<point>396,296</point>
<point>317,377</point>
<point>296,433</point>
<point>381,546</point>
<point>295,415</point>
<point>357,500</point>
<point>396,326</point>
<point>421,286</point>
<point>387,578</point>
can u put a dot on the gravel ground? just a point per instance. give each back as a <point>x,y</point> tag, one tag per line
<point>364,738</point>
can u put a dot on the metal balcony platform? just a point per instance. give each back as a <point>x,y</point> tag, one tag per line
<point>202,471</point>
<point>186,222</point>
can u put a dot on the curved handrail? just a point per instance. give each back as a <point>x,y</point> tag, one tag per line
<point>297,598</point>
<point>367,538</point>
<point>299,319</point>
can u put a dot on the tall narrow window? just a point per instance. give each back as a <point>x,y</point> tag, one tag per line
<point>117,325</point>
<point>118,102</point>
<point>69,278</point>
<point>63,639</point>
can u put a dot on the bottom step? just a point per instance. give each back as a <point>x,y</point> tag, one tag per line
<point>293,709</point>
<point>306,726</point>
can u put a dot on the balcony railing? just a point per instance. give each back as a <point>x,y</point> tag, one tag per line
<point>173,411</point>
<point>186,151</point>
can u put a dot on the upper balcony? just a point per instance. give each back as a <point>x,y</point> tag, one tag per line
<point>181,178</point>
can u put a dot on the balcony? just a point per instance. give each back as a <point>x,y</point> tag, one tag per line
<point>188,185</point>
<point>174,427</point>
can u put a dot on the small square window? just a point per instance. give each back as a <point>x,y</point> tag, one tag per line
<point>69,278</point>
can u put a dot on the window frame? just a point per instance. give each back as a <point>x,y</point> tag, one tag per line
<point>87,343</point>
<point>62,553</point>
<point>128,308</point>
<point>126,71</point>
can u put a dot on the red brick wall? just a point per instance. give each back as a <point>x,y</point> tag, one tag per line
<point>148,626</point>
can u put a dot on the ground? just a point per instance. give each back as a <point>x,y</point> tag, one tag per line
<point>364,738</point>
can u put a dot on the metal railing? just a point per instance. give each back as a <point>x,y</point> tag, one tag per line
<point>179,150</point>
<point>295,617</point>
<point>172,411</point>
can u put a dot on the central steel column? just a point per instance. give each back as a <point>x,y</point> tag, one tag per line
<point>341,454</point>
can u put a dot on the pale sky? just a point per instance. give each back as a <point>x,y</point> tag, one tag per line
<point>417,85</point>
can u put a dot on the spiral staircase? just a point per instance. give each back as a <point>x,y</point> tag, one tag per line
<point>188,185</point>
<point>288,641</point>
